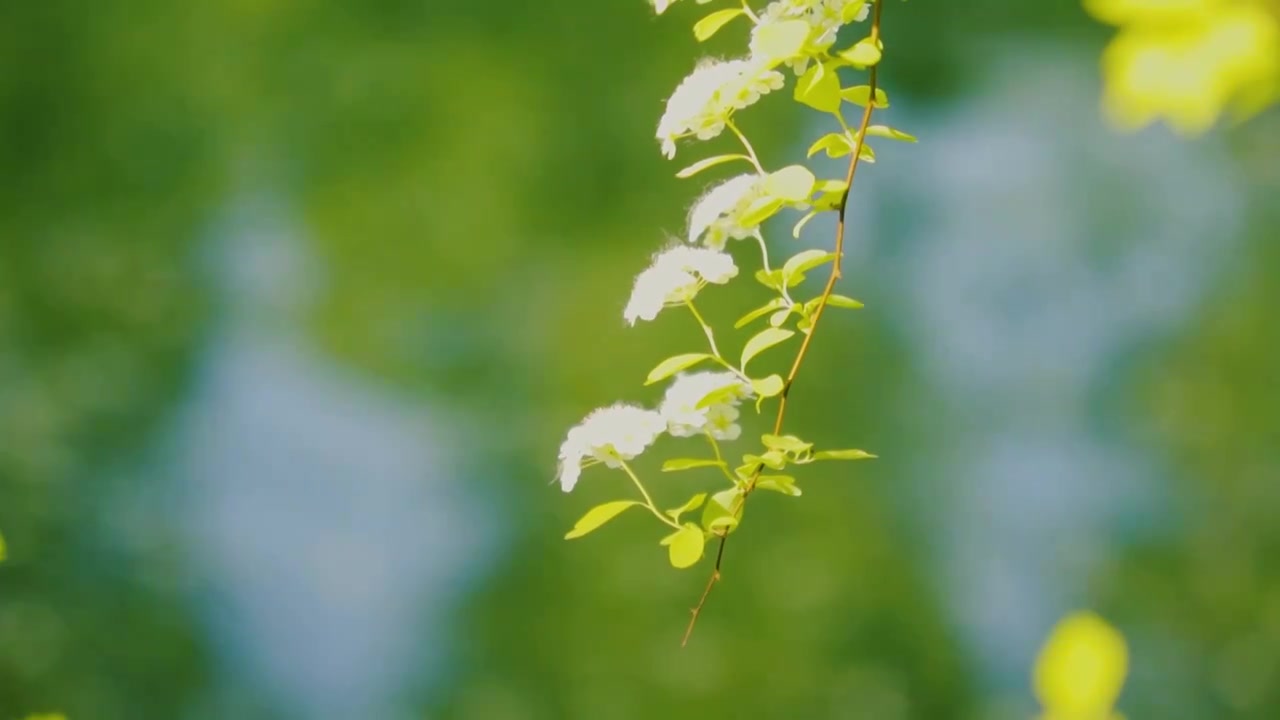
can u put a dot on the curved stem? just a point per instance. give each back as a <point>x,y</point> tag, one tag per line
<point>817,314</point>
<point>715,447</point>
<point>751,151</point>
<point>648,500</point>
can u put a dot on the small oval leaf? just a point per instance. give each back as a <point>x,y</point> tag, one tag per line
<point>779,41</point>
<point>760,312</point>
<point>843,455</point>
<point>686,547</point>
<point>693,503</point>
<point>598,516</point>
<point>673,365</point>
<point>763,340</point>
<point>819,89</point>
<point>858,95</point>
<point>793,183</point>
<point>803,262</point>
<point>885,131</point>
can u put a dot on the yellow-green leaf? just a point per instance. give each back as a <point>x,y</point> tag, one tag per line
<point>598,516</point>
<point>858,95</point>
<point>843,302</point>
<point>819,88</point>
<point>711,24</point>
<point>760,312</point>
<point>851,11</point>
<point>673,365</point>
<point>762,209</point>
<point>835,144</point>
<point>767,387</point>
<point>863,54</point>
<point>784,484</point>
<point>693,503</point>
<point>677,464</point>
<point>762,341</point>
<point>780,41</point>
<point>793,183</point>
<point>710,162</point>
<point>843,455</point>
<point>786,443</point>
<point>686,546</point>
<point>795,231</point>
<point>802,262</point>
<point>885,131</point>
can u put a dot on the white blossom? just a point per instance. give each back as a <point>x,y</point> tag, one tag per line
<point>683,416</point>
<point>662,5</point>
<point>717,216</point>
<point>675,276</point>
<point>825,17</point>
<point>608,435</point>
<point>704,100</point>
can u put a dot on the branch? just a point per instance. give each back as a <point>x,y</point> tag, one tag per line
<point>817,314</point>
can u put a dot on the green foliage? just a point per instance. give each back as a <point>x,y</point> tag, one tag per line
<point>597,516</point>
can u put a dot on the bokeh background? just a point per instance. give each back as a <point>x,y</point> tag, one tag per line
<point>297,298</point>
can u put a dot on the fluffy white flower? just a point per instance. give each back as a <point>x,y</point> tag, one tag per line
<point>608,435</point>
<point>662,5</point>
<point>718,215</point>
<point>676,275</point>
<point>683,416</point>
<point>703,102</point>
<point>825,17</point>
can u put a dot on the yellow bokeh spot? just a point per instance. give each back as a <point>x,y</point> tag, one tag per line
<point>1081,669</point>
<point>1188,61</point>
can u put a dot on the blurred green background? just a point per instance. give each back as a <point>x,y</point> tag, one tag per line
<point>297,298</point>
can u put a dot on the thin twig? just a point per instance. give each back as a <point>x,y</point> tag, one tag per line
<point>817,314</point>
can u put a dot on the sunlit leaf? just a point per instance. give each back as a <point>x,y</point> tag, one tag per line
<point>786,443</point>
<point>686,546</point>
<point>760,210</point>
<point>678,464</point>
<point>802,262</point>
<point>760,312</point>
<point>885,131</point>
<point>819,88</point>
<point>711,24</point>
<point>779,41</point>
<point>710,162</point>
<point>1081,668</point>
<point>762,341</point>
<point>835,144</point>
<point>693,503</point>
<point>784,484</point>
<point>793,183</point>
<point>767,387</point>
<point>597,516</point>
<point>843,455</point>
<point>858,95</point>
<point>673,365</point>
<point>864,53</point>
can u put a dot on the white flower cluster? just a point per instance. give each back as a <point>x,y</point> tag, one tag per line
<point>620,432</point>
<point>703,102</point>
<point>717,217</point>
<point>609,435</point>
<point>675,276</point>
<point>684,417</point>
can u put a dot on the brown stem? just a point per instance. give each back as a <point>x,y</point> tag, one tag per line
<point>817,314</point>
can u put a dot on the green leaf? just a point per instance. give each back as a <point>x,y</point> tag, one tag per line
<point>793,183</point>
<point>819,88</point>
<point>885,131</point>
<point>760,210</point>
<point>598,516</point>
<point>774,459</point>
<point>851,11</point>
<point>694,503</point>
<point>866,153</point>
<point>720,509</point>
<point>779,41</point>
<point>780,317</point>
<point>843,455</point>
<point>863,54</point>
<point>831,186</point>
<point>686,546</point>
<point>719,396</point>
<point>858,95</point>
<point>762,341</point>
<point>767,387</point>
<point>784,484</point>
<point>771,279</point>
<point>673,365</point>
<point>802,262</point>
<point>711,24</point>
<point>785,443</point>
<point>795,231</point>
<point>678,464</point>
<point>843,302</point>
<point>835,144</point>
<point>710,162</point>
<point>759,312</point>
